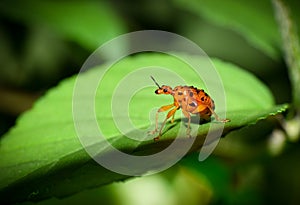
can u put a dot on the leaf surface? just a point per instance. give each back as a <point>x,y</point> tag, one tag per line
<point>42,156</point>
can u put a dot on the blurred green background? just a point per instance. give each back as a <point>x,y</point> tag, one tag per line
<point>43,42</point>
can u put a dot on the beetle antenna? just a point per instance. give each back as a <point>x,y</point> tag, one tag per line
<point>155,81</point>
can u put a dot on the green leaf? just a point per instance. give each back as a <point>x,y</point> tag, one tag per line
<point>252,19</point>
<point>42,156</point>
<point>88,23</point>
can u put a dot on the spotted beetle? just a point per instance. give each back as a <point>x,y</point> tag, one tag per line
<point>191,100</point>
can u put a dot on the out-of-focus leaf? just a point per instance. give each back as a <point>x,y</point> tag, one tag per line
<point>252,19</point>
<point>89,23</point>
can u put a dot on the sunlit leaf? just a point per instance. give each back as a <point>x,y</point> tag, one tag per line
<point>43,157</point>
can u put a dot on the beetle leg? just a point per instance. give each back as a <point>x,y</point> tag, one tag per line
<point>178,107</point>
<point>173,116</point>
<point>161,109</point>
<point>217,117</point>
<point>170,113</point>
<point>188,130</point>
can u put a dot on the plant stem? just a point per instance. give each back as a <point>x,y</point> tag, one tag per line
<point>291,48</point>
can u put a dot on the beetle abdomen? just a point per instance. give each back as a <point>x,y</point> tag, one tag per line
<point>194,100</point>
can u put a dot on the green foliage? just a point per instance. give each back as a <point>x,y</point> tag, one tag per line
<point>43,153</point>
<point>48,39</point>
<point>41,156</point>
<point>88,23</point>
<point>252,19</point>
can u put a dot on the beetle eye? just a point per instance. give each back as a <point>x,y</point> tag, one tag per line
<point>165,90</point>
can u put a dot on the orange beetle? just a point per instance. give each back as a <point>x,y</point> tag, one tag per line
<point>191,100</point>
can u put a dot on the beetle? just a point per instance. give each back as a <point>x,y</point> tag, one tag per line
<point>191,100</point>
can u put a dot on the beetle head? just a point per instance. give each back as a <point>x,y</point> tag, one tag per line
<point>164,89</point>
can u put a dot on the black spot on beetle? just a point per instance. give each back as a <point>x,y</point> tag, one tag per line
<point>206,94</point>
<point>202,99</point>
<point>180,93</point>
<point>191,94</point>
<point>193,104</point>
